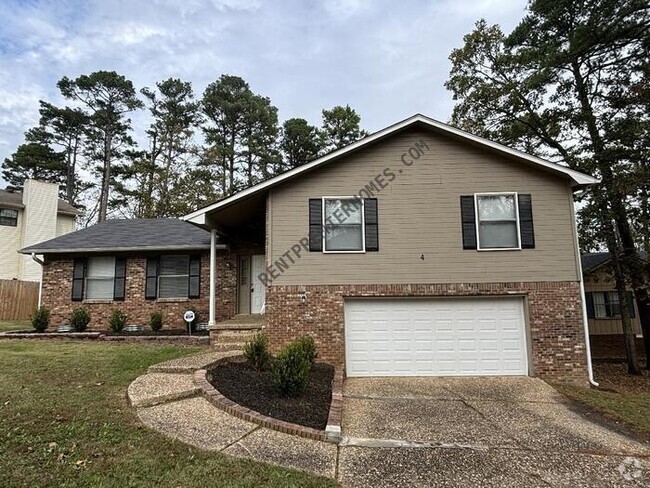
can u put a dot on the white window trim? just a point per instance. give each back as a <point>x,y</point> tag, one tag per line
<point>363,223</point>
<point>477,220</point>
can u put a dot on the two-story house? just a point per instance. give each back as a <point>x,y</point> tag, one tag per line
<point>28,216</point>
<point>420,250</point>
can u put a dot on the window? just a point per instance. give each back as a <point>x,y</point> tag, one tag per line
<point>497,221</point>
<point>343,225</point>
<point>173,277</point>
<point>8,217</point>
<point>100,278</point>
<point>607,305</point>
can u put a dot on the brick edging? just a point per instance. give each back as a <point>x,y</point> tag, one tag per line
<point>332,433</point>
<point>100,336</point>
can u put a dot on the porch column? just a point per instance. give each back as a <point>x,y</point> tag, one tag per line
<point>213,277</point>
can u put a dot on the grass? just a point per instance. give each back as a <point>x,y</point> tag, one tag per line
<point>65,421</point>
<point>6,325</point>
<point>620,397</point>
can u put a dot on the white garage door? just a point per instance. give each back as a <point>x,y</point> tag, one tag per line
<point>435,337</point>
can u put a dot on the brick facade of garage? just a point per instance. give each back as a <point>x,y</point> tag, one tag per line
<point>554,316</point>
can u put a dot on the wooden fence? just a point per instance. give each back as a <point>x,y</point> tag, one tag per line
<point>18,299</point>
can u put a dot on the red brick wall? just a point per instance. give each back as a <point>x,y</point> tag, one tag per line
<point>554,318</point>
<point>57,292</point>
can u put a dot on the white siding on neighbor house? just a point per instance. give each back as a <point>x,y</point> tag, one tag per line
<point>10,239</point>
<point>39,221</point>
<point>420,235</point>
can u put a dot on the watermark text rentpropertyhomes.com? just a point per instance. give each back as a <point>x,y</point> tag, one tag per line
<point>374,187</point>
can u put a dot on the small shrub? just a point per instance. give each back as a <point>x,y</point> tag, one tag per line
<point>117,320</point>
<point>156,321</point>
<point>256,351</point>
<point>79,319</point>
<point>41,319</point>
<point>291,370</point>
<point>308,347</point>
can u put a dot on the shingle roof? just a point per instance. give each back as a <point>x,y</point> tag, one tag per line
<point>127,235</point>
<point>593,260</point>
<point>15,200</point>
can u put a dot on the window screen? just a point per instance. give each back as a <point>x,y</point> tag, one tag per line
<point>173,278</point>
<point>100,278</point>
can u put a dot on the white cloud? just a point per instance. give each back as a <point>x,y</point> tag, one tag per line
<point>388,60</point>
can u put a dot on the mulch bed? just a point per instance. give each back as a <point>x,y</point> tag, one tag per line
<point>236,380</point>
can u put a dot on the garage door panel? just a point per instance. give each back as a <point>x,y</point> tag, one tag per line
<point>435,337</point>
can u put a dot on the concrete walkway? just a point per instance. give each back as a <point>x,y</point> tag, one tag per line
<point>413,432</point>
<point>167,400</point>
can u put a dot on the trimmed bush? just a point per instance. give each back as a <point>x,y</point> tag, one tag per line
<point>117,320</point>
<point>308,347</point>
<point>40,319</point>
<point>79,319</point>
<point>156,321</point>
<point>256,351</point>
<point>291,370</point>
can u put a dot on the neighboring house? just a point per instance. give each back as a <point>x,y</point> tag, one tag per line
<point>418,250</point>
<point>27,217</point>
<point>603,307</point>
<point>139,266</point>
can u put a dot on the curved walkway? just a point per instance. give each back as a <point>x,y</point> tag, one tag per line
<point>413,432</point>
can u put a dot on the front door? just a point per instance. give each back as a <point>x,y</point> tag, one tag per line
<point>258,290</point>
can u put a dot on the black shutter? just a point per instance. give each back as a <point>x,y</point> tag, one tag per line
<point>371,220</point>
<point>629,298</point>
<point>526,222</point>
<point>589,301</point>
<point>195,276</point>
<point>78,279</point>
<point>119,282</point>
<point>468,221</point>
<point>315,224</point>
<point>151,282</point>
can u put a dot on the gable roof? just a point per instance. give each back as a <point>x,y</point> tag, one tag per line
<point>578,180</point>
<point>128,235</point>
<point>593,260</point>
<point>14,199</point>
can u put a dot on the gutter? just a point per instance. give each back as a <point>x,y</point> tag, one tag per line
<point>585,321</point>
<point>40,283</point>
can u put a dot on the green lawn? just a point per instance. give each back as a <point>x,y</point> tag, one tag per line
<point>65,421</point>
<point>621,397</point>
<point>6,325</point>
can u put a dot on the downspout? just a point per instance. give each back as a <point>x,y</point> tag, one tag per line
<point>40,283</point>
<point>585,321</point>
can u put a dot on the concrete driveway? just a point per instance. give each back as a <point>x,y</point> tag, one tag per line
<point>479,432</point>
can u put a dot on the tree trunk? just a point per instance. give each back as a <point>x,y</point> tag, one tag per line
<point>631,259</point>
<point>103,198</point>
<point>621,289</point>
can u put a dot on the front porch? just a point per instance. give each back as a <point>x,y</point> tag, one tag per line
<point>232,334</point>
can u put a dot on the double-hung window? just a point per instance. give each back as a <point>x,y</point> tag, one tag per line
<point>100,278</point>
<point>8,217</point>
<point>606,304</point>
<point>497,222</point>
<point>343,224</point>
<point>173,276</point>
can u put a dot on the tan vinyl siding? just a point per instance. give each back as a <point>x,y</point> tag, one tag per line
<point>419,215</point>
<point>601,281</point>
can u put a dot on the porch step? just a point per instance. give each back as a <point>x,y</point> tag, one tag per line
<point>228,346</point>
<point>233,336</point>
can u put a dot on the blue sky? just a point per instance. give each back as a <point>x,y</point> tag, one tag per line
<point>388,60</point>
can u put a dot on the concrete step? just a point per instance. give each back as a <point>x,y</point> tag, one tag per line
<point>156,388</point>
<point>189,364</point>
<point>228,347</point>
<point>225,337</point>
<point>243,326</point>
